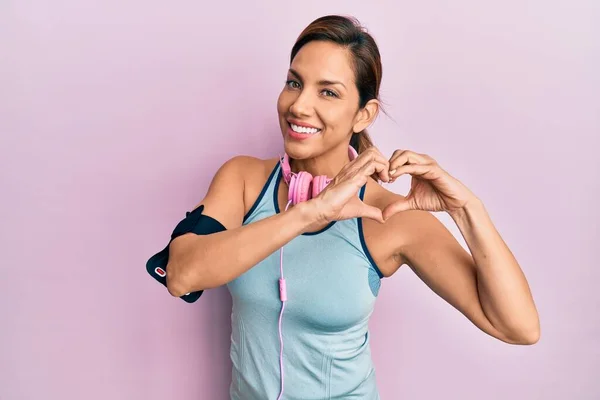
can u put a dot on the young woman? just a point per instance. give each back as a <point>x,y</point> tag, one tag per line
<point>303,254</point>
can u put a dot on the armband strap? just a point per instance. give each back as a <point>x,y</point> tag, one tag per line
<point>194,222</point>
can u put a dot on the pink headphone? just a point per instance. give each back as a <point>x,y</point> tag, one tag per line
<point>302,185</point>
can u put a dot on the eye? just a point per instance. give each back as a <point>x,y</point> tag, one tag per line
<point>329,93</point>
<point>292,84</point>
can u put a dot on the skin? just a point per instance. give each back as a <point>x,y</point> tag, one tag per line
<point>487,286</point>
<point>333,108</point>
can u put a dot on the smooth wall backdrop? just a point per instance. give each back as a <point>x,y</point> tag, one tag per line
<point>115,115</point>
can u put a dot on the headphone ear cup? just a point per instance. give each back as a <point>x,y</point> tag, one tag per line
<point>318,184</point>
<point>300,187</point>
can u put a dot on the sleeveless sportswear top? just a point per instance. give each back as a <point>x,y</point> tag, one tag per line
<point>332,284</point>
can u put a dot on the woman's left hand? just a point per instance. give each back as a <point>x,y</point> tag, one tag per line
<point>431,188</point>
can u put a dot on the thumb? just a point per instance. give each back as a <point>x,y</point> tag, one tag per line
<point>371,212</point>
<point>403,204</point>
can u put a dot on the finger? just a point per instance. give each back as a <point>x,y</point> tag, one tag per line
<point>414,157</point>
<point>376,156</point>
<point>384,176</point>
<point>377,152</point>
<point>367,211</point>
<point>354,179</point>
<point>412,169</point>
<point>375,166</point>
<point>396,154</point>
<point>365,169</point>
<point>406,157</point>
<point>403,204</point>
<point>372,154</point>
<point>396,162</point>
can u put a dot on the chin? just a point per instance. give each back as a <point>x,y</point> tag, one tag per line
<point>297,151</point>
<point>301,149</point>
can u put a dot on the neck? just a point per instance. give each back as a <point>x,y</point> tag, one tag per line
<point>328,164</point>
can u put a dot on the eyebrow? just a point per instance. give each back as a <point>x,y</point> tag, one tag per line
<point>322,82</point>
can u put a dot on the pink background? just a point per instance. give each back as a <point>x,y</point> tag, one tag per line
<point>115,115</point>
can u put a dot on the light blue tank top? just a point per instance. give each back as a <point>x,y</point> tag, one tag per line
<point>332,284</point>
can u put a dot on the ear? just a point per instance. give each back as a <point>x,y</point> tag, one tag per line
<point>365,116</point>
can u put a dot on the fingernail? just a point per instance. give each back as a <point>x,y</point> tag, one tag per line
<point>392,172</point>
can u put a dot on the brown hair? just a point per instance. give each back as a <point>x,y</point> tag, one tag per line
<point>347,32</point>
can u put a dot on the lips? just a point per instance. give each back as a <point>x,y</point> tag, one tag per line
<point>303,134</point>
<point>301,124</point>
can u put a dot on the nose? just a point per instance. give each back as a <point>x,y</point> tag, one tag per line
<point>302,106</point>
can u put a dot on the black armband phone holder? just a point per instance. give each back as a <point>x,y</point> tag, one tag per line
<point>194,222</point>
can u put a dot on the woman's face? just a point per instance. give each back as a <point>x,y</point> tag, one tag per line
<point>318,105</point>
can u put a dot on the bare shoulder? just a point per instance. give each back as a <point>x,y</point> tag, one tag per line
<point>232,175</point>
<point>230,192</point>
<point>386,241</point>
<point>256,172</point>
<point>249,169</point>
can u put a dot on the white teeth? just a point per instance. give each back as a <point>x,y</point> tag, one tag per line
<point>302,129</point>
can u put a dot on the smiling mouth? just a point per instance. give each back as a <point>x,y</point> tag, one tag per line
<point>303,130</point>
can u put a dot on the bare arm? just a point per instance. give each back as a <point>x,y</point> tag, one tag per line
<point>199,262</point>
<point>503,290</point>
<point>488,287</point>
<point>207,261</point>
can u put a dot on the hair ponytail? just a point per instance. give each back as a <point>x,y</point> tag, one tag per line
<point>361,141</point>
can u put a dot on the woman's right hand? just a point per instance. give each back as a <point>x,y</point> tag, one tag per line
<point>339,200</point>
